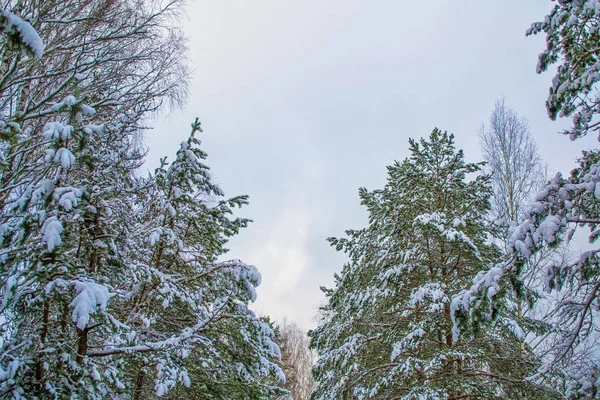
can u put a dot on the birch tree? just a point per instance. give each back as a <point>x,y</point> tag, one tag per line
<point>296,360</point>
<point>513,161</point>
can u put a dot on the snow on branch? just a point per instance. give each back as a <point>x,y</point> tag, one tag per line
<point>90,297</point>
<point>28,35</point>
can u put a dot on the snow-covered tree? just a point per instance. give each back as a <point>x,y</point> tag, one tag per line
<point>59,260</point>
<point>572,38</point>
<point>386,330</point>
<point>110,283</point>
<point>182,292</point>
<point>44,237</point>
<point>550,220</point>
<point>563,205</point>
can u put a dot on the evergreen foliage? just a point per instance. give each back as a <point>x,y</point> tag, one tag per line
<point>572,38</point>
<point>386,330</point>
<point>563,205</point>
<point>112,284</point>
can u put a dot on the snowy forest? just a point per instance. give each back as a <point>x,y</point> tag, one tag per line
<point>470,280</point>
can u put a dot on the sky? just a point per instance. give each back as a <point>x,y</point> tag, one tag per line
<point>304,101</point>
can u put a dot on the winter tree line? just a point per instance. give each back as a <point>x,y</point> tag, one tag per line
<point>466,283</point>
<point>114,283</point>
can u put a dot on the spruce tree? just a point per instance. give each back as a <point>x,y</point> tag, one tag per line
<point>386,330</point>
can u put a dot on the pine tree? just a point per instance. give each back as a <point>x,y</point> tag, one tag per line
<point>180,289</point>
<point>386,331</point>
<point>572,36</point>
<point>60,263</point>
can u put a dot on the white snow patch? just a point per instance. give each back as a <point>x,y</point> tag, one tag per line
<point>28,34</point>
<point>90,296</point>
<point>51,231</point>
<point>64,157</point>
<point>56,130</point>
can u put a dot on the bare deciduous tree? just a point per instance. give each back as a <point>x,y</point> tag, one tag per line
<point>296,359</point>
<point>125,56</point>
<point>513,160</point>
<point>122,58</point>
<point>518,172</point>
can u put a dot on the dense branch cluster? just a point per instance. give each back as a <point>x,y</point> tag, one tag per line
<point>437,305</point>
<point>111,282</point>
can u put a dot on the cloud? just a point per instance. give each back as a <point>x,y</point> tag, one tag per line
<point>277,246</point>
<point>282,253</point>
<point>304,102</point>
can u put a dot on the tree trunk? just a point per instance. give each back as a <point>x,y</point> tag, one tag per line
<point>82,345</point>
<point>139,385</point>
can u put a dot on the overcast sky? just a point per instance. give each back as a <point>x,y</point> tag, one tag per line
<point>304,101</point>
